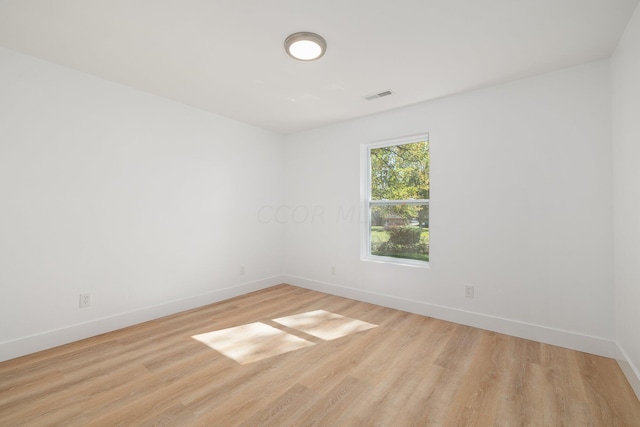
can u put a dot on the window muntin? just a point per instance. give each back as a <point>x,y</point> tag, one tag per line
<point>397,201</point>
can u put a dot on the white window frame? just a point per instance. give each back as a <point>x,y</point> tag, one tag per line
<point>367,203</point>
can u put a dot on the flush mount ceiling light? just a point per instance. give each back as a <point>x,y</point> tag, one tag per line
<point>305,46</point>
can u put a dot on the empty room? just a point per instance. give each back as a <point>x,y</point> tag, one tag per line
<point>339,213</point>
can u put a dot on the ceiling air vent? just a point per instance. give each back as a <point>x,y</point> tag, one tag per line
<point>378,95</point>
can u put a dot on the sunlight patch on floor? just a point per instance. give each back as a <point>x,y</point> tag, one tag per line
<point>324,324</point>
<point>252,342</point>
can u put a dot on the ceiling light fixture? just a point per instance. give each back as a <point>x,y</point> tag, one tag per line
<point>305,46</point>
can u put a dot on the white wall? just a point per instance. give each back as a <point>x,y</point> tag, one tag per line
<point>626,160</point>
<point>149,205</point>
<point>521,208</point>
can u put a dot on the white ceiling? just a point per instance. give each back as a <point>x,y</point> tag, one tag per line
<point>227,56</point>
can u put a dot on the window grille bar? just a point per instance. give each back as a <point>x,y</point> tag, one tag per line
<point>410,202</point>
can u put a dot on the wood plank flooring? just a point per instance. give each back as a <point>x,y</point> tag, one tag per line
<point>409,370</point>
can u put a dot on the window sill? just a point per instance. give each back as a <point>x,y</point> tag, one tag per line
<point>395,261</point>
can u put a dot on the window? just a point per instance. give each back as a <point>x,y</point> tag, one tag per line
<point>396,195</point>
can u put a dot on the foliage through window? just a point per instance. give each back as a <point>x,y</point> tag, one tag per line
<point>398,200</point>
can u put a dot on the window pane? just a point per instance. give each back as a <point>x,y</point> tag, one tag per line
<point>400,172</point>
<point>400,231</point>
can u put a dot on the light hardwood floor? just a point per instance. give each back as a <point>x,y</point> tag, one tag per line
<point>408,370</point>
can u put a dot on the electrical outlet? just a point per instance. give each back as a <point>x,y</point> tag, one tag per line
<point>242,270</point>
<point>468,291</point>
<point>333,269</point>
<point>85,300</point>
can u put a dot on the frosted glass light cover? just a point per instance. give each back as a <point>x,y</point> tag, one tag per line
<point>305,50</point>
<point>305,46</point>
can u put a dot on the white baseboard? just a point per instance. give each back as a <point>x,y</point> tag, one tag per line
<point>629,369</point>
<point>561,338</point>
<point>53,338</point>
